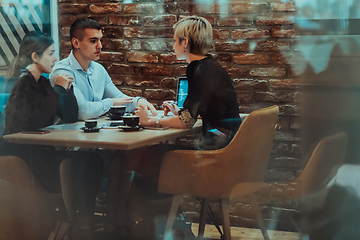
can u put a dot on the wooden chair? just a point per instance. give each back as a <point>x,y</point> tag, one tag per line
<point>27,211</point>
<point>213,174</point>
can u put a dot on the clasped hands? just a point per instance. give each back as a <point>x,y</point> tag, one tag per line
<point>64,80</point>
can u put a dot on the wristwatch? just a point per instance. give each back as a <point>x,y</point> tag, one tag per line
<point>157,124</point>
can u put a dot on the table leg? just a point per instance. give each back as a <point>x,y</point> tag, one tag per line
<point>117,195</point>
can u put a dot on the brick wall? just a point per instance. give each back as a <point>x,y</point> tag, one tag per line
<point>253,40</point>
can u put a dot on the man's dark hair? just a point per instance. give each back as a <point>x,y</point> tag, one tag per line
<point>77,29</point>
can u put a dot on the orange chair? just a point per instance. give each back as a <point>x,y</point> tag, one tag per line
<point>27,211</point>
<point>214,174</point>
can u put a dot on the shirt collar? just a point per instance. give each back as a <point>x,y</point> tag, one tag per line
<point>77,65</point>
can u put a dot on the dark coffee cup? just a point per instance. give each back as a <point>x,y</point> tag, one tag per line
<point>90,123</point>
<point>117,110</point>
<point>131,121</point>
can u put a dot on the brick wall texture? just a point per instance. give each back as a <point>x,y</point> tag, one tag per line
<point>254,40</point>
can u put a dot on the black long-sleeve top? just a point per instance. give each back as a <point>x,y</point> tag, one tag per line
<point>211,95</point>
<point>33,104</point>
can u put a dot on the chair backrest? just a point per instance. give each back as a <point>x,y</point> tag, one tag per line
<point>322,165</point>
<point>251,146</point>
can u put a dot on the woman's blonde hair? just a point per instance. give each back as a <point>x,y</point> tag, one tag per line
<point>198,31</point>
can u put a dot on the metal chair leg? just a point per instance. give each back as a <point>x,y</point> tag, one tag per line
<point>203,214</point>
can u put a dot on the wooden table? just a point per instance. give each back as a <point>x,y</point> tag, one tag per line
<point>119,181</point>
<point>105,138</point>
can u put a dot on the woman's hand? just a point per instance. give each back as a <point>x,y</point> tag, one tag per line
<point>170,106</point>
<point>143,103</point>
<point>144,116</point>
<point>64,80</point>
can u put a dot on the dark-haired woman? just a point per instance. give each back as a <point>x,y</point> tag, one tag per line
<point>34,104</point>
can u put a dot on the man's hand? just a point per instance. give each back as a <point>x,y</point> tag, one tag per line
<point>170,106</point>
<point>142,103</point>
<point>64,80</point>
<point>122,100</point>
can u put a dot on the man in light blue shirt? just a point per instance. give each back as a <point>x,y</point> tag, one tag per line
<point>94,90</point>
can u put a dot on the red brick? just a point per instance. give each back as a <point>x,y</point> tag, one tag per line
<point>250,33</point>
<point>249,8</point>
<point>142,57</point>
<point>250,84</point>
<point>73,8</point>
<point>281,148</point>
<point>221,34</point>
<point>101,19</point>
<point>122,44</point>
<point>65,45</point>
<point>66,20</point>
<point>138,32</point>
<point>231,46</point>
<point>287,136</point>
<point>272,46</point>
<point>140,8</point>
<point>180,70</point>
<point>111,56</point>
<point>159,94</point>
<point>119,68</point>
<point>168,82</point>
<point>139,81</point>
<point>273,20</point>
<point>223,57</point>
<point>245,98</point>
<point>171,8</point>
<point>169,59</point>
<point>79,1</point>
<point>167,32</point>
<point>236,71</point>
<point>117,79</point>
<point>205,8</point>
<point>274,97</point>
<point>106,44</point>
<point>160,20</point>
<point>235,21</point>
<point>295,123</point>
<point>285,58</point>
<point>289,6</point>
<point>157,70</point>
<point>124,20</point>
<point>251,58</point>
<point>283,123</point>
<point>184,8</point>
<point>112,32</point>
<point>289,110</point>
<point>283,33</point>
<point>288,162</point>
<point>105,8</point>
<point>159,44</point>
<point>267,72</point>
<point>284,84</point>
<point>132,92</point>
<point>65,32</point>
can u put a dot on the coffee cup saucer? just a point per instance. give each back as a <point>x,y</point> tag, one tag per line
<point>94,129</point>
<point>130,129</point>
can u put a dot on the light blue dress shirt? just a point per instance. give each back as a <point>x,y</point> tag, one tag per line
<point>93,89</point>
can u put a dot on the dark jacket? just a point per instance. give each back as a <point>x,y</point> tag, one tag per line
<point>33,105</point>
